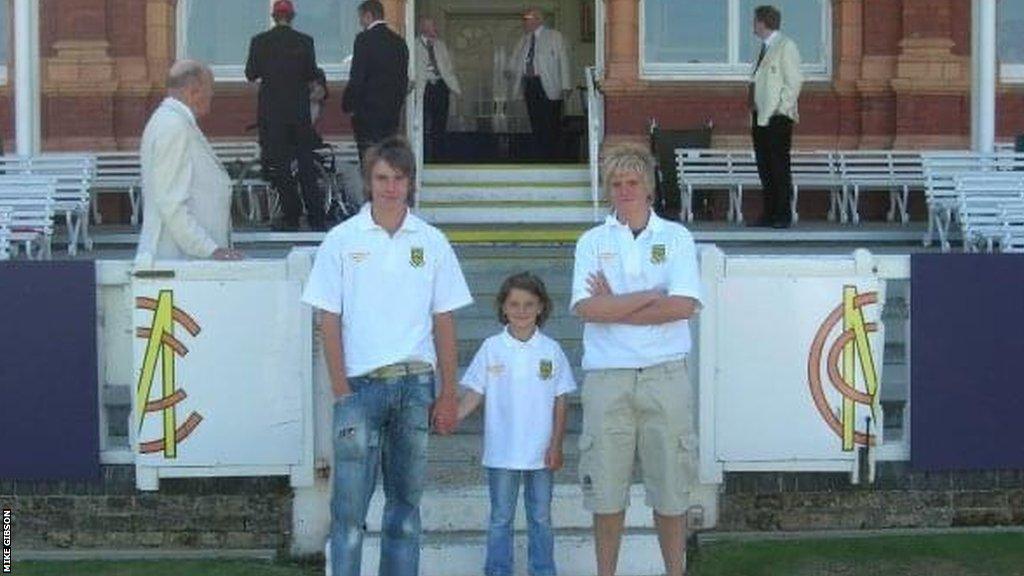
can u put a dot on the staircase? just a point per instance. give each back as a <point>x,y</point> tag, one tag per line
<point>506,194</point>
<point>455,502</point>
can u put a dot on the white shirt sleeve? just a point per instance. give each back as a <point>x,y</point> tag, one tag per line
<point>475,378</point>
<point>684,274</point>
<point>566,383</point>
<point>324,288</point>
<point>450,289</point>
<point>584,264</point>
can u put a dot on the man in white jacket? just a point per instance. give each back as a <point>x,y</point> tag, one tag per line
<point>774,90</point>
<point>435,83</point>
<point>186,192</point>
<point>540,71</point>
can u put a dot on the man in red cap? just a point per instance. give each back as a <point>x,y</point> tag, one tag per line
<point>284,61</point>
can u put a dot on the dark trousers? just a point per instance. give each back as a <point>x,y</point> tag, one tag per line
<point>545,117</point>
<point>372,130</point>
<point>285,143</point>
<point>435,116</point>
<point>772,144</point>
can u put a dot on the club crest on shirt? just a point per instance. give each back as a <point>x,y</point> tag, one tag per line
<point>657,254</point>
<point>547,367</point>
<point>416,259</point>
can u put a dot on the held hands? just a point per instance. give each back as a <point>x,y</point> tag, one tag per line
<point>340,388</point>
<point>598,285</point>
<point>445,414</point>
<point>227,254</point>
<point>553,458</point>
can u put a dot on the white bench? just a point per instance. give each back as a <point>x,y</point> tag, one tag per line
<point>817,170</point>
<point>5,232</point>
<point>712,169</point>
<point>30,204</point>
<point>990,207</point>
<point>73,174</point>
<point>940,169</point>
<point>892,171</point>
<point>118,172</point>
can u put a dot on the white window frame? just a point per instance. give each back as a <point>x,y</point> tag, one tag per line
<point>335,71</point>
<point>1011,73</point>
<point>734,69</point>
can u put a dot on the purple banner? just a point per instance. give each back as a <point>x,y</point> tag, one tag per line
<point>49,412</point>
<point>967,391</point>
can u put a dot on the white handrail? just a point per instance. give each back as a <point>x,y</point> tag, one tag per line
<point>595,133</point>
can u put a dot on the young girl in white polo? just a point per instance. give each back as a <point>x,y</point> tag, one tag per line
<point>522,376</point>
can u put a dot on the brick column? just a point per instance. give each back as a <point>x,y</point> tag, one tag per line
<point>881,33</point>
<point>394,13</point>
<point>848,28</point>
<point>78,80</point>
<point>622,59</point>
<point>932,80</point>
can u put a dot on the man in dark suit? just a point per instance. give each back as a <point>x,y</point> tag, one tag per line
<point>284,61</point>
<point>378,80</point>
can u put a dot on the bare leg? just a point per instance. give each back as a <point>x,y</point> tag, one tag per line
<point>608,538</point>
<point>672,538</point>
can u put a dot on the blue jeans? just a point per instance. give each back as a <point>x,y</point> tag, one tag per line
<point>504,489</point>
<point>385,423</point>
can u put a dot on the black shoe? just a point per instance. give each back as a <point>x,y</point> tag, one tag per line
<point>284,226</point>
<point>780,224</point>
<point>761,223</point>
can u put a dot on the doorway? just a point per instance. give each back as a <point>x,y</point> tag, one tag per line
<point>485,124</point>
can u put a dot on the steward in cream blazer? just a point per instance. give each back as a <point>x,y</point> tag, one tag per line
<point>445,68</point>
<point>550,60</point>
<point>777,81</point>
<point>186,192</point>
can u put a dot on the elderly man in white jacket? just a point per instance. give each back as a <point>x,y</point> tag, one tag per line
<point>435,83</point>
<point>186,192</point>
<point>541,71</point>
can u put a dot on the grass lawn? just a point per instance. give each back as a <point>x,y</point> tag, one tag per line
<point>164,568</point>
<point>987,554</point>
<point>991,554</point>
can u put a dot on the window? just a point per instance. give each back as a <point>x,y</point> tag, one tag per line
<point>707,40</point>
<point>218,32</point>
<point>1010,40</point>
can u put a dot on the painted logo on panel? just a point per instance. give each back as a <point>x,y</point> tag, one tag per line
<point>849,368</point>
<point>162,345</point>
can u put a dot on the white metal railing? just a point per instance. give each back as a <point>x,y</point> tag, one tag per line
<point>595,136</point>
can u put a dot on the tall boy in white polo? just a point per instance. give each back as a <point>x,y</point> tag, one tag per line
<point>386,283</point>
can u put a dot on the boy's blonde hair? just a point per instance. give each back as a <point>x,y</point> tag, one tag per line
<point>627,158</point>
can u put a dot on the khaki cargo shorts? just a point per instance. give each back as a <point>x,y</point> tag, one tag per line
<point>647,412</point>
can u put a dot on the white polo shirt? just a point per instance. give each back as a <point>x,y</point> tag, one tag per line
<point>663,257</point>
<point>386,289</point>
<point>519,381</point>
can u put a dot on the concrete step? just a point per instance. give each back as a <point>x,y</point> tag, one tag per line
<point>465,509</point>
<point>509,214</point>
<point>463,554</point>
<point>509,174</point>
<point>537,193</point>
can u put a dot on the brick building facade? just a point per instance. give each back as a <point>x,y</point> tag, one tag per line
<point>900,77</point>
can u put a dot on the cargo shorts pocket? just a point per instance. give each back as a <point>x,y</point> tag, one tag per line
<point>588,465</point>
